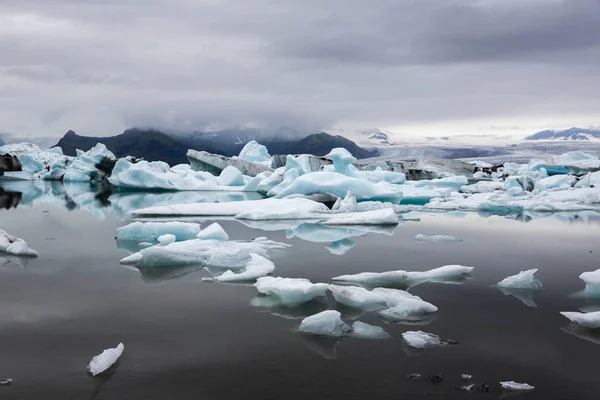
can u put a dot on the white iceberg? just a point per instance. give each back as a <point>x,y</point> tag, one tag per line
<point>421,340</point>
<point>326,323</point>
<point>290,291</point>
<point>91,166</point>
<point>217,253</point>
<point>360,330</point>
<point>592,282</point>
<point>213,231</point>
<point>589,320</point>
<point>403,306</point>
<point>384,216</point>
<point>354,296</point>
<point>105,360</point>
<point>437,238</point>
<point>512,385</point>
<point>255,268</point>
<point>255,152</point>
<point>166,239</point>
<point>447,273</point>
<point>522,280</point>
<point>231,176</point>
<point>16,246</point>
<point>150,231</point>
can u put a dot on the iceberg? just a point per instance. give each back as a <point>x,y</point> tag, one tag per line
<point>589,320</point>
<point>437,238</point>
<point>421,340</point>
<point>213,231</point>
<point>327,323</point>
<point>16,246</point>
<point>384,216</point>
<point>347,204</point>
<point>246,208</point>
<point>215,163</point>
<point>591,277</point>
<point>360,330</point>
<point>339,185</point>
<point>166,239</point>
<point>354,296</point>
<point>150,231</point>
<point>255,152</point>
<point>255,268</point>
<point>512,385</point>
<point>217,253</point>
<point>105,360</point>
<point>447,273</point>
<point>93,165</point>
<point>555,181</point>
<point>290,291</point>
<point>403,306</point>
<point>231,176</point>
<point>522,280</point>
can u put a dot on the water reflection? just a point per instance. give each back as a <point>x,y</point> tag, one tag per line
<point>526,296</point>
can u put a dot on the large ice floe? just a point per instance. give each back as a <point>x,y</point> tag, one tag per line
<point>15,246</point>
<point>212,250</point>
<point>290,291</point>
<point>105,360</point>
<point>589,320</point>
<point>445,274</point>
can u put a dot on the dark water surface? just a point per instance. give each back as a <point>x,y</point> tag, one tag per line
<point>186,339</point>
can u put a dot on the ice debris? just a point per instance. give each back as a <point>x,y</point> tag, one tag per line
<point>524,280</point>
<point>16,246</point>
<point>437,238</point>
<point>421,340</point>
<point>5,381</point>
<point>290,291</point>
<point>512,385</point>
<point>447,273</point>
<point>150,231</point>
<point>589,320</point>
<point>467,388</point>
<point>105,360</point>
<point>466,377</point>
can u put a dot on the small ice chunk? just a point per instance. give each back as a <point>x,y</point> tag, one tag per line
<point>290,291</point>
<point>437,238</point>
<point>591,277</point>
<point>13,245</point>
<point>413,376</point>
<point>5,381</point>
<point>407,308</point>
<point>421,340</point>
<point>466,377</point>
<point>467,387</point>
<point>214,232</point>
<point>512,385</point>
<point>348,203</point>
<point>361,330</point>
<point>105,360</point>
<point>326,323</point>
<point>587,320</point>
<point>256,267</point>
<point>522,280</point>
<point>166,239</point>
<point>150,231</point>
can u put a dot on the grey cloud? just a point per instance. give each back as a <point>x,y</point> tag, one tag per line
<point>101,66</point>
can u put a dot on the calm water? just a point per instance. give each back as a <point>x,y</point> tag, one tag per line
<point>186,339</point>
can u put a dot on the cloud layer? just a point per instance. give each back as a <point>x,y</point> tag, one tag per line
<point>101,66</point>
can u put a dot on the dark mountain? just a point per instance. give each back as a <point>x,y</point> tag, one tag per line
<point>152,145</point>
<point>318,144</point>
<point>567,134</point>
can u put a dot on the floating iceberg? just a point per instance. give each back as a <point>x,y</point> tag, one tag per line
<point>326,323</point>
<point>229,254</point>
<point>587,320</point>
<point>255,268</point>
<point>250,209</point>
<point>16,246</point>
<point>437,238</point>
<point>447,273</point>
<point>592,282</point>
<point>150,231</point>
<point>360,330</point>
<point>512,385</point>
<point>91,166</point>
<point>421,340</point>
<point>255,152</point>
<point>214,232</point>
<point>522,280</point>
<point>166,239</point>
<point>354,296</point>
<point>215,163</point>
<point>384,216</point>
<point>403,306</point>
<point>290,291</point>
<point>105,360</point>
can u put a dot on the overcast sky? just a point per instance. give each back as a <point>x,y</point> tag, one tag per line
<point>412,66</point>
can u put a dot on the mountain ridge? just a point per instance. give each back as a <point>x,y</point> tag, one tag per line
<point>574,133</point>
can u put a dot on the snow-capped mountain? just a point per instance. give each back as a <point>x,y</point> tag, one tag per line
<point>567,134</point>
<point>367,138</point>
